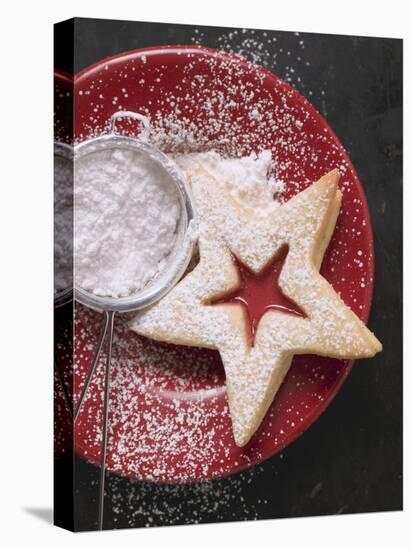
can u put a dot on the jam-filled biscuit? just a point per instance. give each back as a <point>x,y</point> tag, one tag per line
<point>209,307</point>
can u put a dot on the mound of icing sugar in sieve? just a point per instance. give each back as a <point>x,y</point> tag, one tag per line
<point>126,213</point>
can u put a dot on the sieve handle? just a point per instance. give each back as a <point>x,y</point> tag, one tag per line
<point>110,316</point>
<point>93,366</point>
<point>144,134</point>
<point>107,330</point>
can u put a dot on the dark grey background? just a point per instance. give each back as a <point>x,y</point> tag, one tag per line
<point>350,460</point>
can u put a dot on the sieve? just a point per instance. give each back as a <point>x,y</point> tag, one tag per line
<point>177,262</point>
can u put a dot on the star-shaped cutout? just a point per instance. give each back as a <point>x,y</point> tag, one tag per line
<point>260,292</point>
<point>227,228</point>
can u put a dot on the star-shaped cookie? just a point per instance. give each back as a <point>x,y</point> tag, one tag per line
<point>197,311</point>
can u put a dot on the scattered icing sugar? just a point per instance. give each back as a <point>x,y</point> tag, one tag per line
<point>125,218</point>
<point>245,178</point>
<point>152,504</point>
<point>265,49</point>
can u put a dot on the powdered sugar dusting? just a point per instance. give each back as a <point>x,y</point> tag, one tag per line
<point>245,179</point>
<point>150,505</point>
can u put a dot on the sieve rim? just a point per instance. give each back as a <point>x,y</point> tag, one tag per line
<point>184,244</point>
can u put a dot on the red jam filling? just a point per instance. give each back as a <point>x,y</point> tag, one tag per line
<point>260,292</point>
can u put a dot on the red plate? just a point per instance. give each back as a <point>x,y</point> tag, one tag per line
<point>169,418</point>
